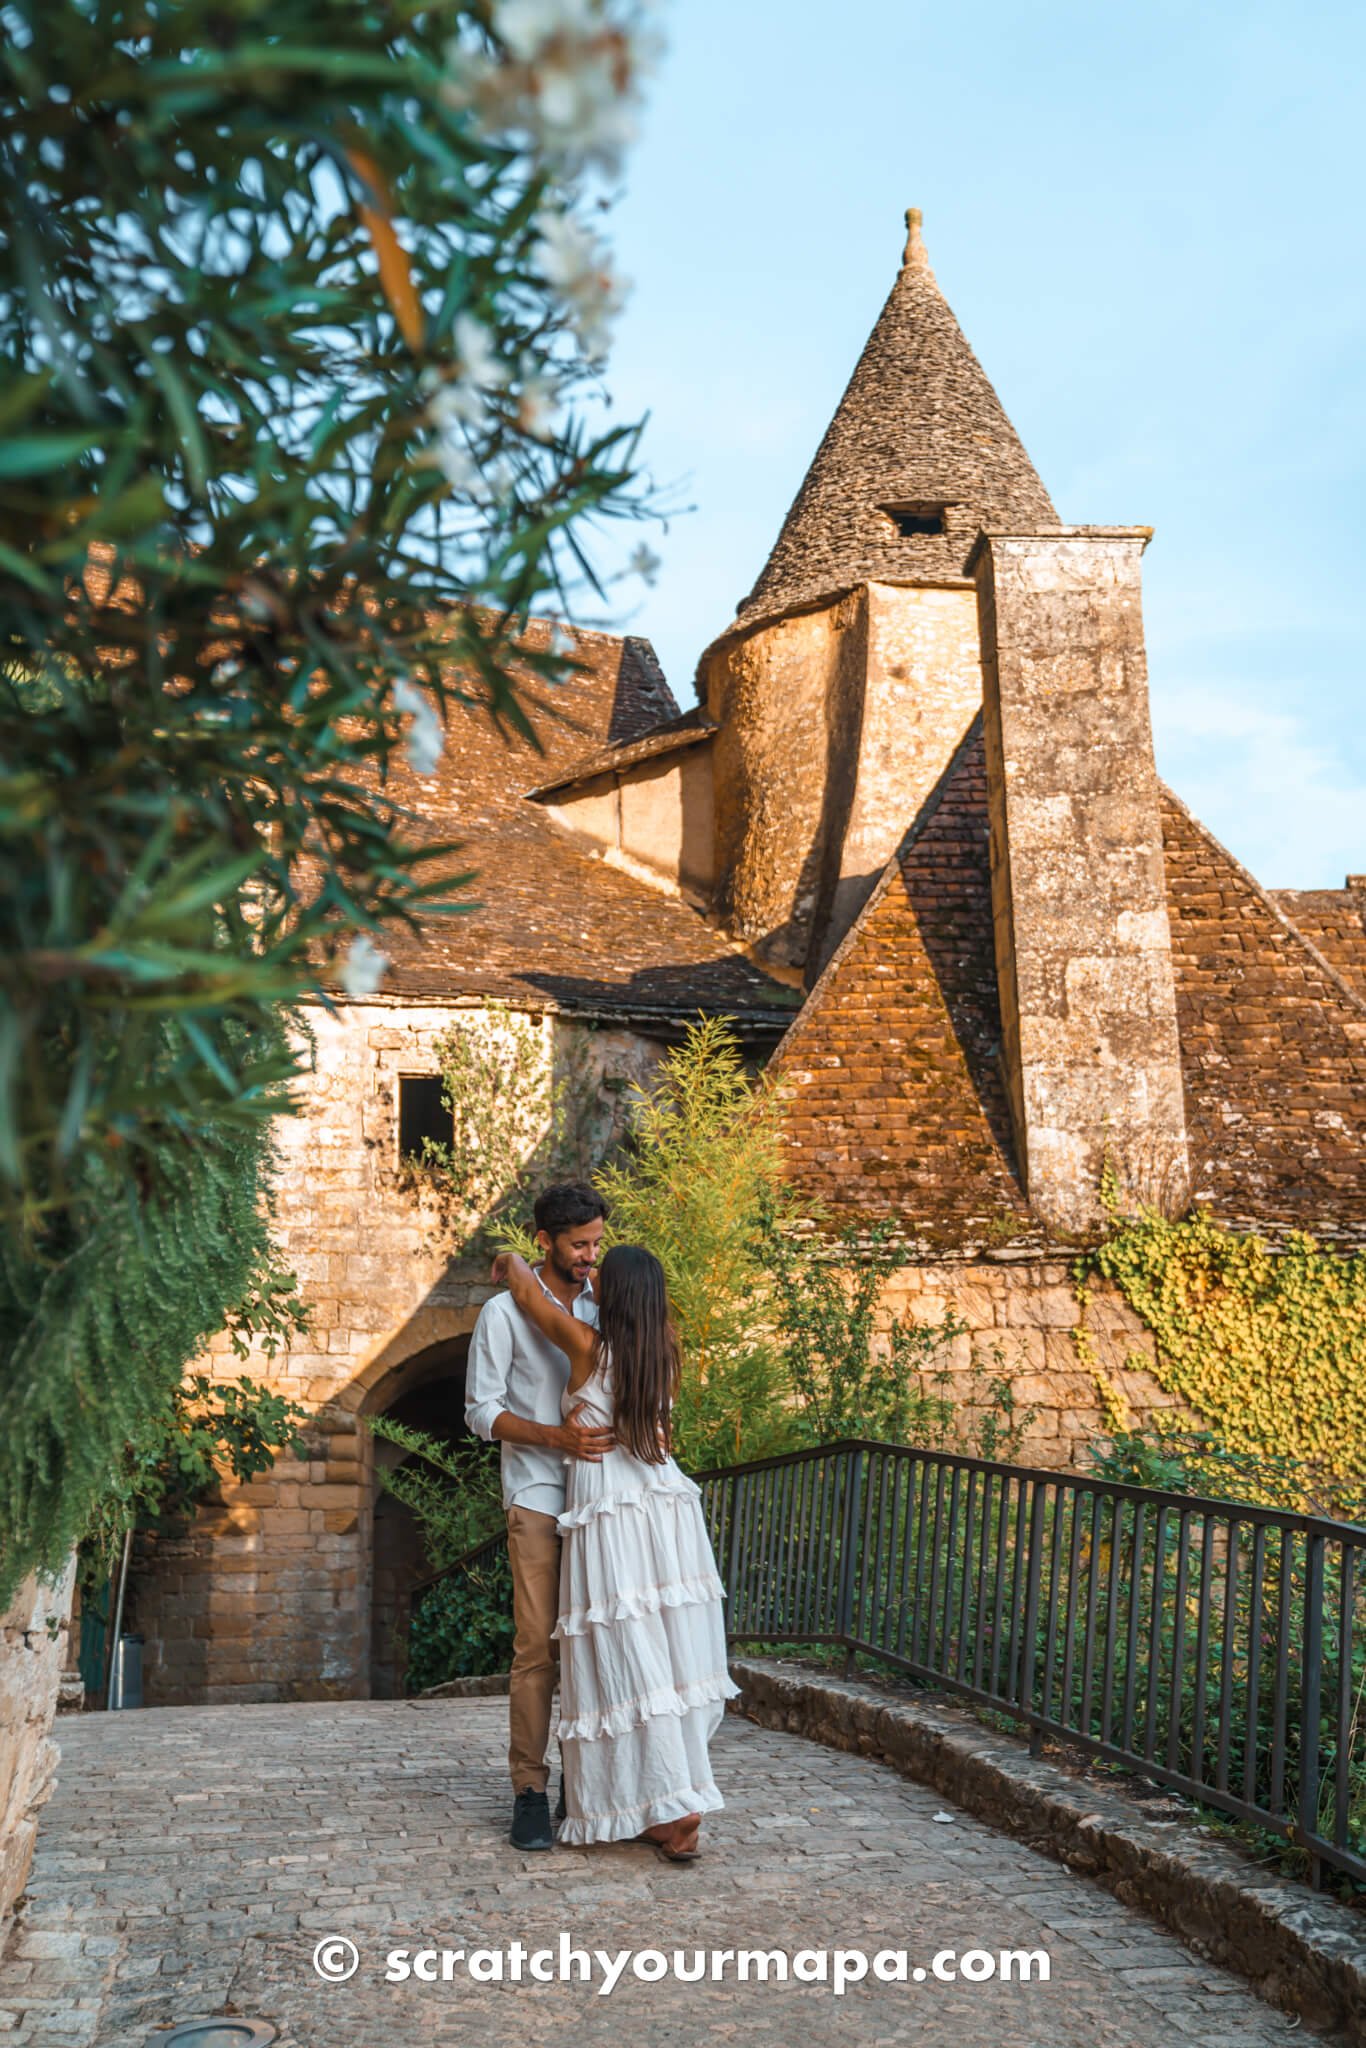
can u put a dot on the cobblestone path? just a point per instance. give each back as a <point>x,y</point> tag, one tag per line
<point>193,1858</point>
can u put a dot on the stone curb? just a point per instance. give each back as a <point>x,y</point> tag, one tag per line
<point>1302,1953</point>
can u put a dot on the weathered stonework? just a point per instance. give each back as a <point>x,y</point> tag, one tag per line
<point>920,690</point>
<point>649,814</point>
<point>834,727</point>
<point>1021,1323</point>
<point>1083,941</point>
<point>33,1645</point>
<point>785,700</point>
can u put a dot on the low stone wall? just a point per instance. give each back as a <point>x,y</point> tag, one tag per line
<point>32,1656</point>
<point>1022,1319</point>
<point>1302,1952</point>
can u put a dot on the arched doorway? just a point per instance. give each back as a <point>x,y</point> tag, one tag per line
<point>428,1394</point>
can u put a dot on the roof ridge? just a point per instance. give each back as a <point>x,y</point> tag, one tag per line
<point>687,729</point>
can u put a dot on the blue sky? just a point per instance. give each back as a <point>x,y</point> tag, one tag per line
<point>1149,223</point>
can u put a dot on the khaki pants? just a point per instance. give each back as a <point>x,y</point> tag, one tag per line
<point>534,1553</point>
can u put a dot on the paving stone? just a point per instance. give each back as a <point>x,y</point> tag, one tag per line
<point>387,1825</point>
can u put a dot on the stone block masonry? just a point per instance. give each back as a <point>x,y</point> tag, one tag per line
<point>834,727</point>
<point>1079,898</point>
<point>1021,1320</point>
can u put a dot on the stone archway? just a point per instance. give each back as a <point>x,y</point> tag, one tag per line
<point>427,1393</point>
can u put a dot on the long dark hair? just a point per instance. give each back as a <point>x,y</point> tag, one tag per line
<point>634,1328</point>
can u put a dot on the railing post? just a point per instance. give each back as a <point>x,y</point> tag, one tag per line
<point>1033,1569</point>
<point>853,1503</point>
<point>1311,1701</point>
<point>733,1486</point>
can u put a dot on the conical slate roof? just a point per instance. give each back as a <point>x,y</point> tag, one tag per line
<point>918,429</point>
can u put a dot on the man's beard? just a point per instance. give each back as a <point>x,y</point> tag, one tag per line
<point>569,1274</point>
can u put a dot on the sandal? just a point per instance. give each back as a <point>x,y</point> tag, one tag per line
<point>675,1840</point>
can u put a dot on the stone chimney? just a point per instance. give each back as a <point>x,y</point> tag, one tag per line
<point>1083,945</point>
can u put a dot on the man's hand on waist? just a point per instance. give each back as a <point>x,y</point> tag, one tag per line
<point>589,1443</point>
<point>584,1440</point>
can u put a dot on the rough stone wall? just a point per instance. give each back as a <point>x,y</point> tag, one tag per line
<point>667,819</point>
<point>31,1661</point>
<point>1021,1317</point>
<point>268,1596</point>
<point>835,726</point>
<point>653,818</point>
<point>1083,943</point>
<point>783,763</point>
<point>921,689</point>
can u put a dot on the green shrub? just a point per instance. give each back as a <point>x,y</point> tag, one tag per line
<point>453,1490</point>
<point>462,1626</point>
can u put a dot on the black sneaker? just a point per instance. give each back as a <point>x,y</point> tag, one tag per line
<point>531,1821</point>
<point>561,1811</point>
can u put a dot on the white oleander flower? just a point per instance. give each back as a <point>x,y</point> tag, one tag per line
<point>500,481</point>
<point>364,967</point>
<point>426,742</point>
<point>458,466</point>
<point>645,564</point>
<point>456,405</point>
<point>480,363</point>
<point>538,400</point>
<point>561,640</point>
<point>528,26</point>
<point>575,263</point>
<point>567,80</point>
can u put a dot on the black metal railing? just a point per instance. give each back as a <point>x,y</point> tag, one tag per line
<point>1217,1647</point>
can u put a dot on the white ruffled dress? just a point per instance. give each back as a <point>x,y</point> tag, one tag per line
<point>643,1676</point>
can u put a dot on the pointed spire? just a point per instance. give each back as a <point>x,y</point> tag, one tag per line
<point>919,457</point>
<point>915,256</point>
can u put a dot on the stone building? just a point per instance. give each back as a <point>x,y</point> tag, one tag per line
<point>912,836</point>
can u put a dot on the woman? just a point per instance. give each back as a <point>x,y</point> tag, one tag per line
<point>643,1673</point>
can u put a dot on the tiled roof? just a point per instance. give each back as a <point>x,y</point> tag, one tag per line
<point>1273,1046</point>
<point>549,921</point>
<point>687,730</point>
<point>918,425</point>
<point>1334,920</point>
<point>894,1098</point>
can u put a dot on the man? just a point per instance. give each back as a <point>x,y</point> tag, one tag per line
<point>515,1379</point>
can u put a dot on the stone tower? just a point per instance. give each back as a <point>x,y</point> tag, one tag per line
<point>853,668</point>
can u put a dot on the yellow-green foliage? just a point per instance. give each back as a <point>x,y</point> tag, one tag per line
<point>702,1187</point>
<point>1268,1346</point>
<point>1114,1406</point>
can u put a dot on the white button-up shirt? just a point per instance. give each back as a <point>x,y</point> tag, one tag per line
<point>514,1369</point>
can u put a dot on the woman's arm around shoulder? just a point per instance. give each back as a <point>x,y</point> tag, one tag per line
<point>577,1340</point>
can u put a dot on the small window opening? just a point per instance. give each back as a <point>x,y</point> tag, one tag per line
<point>910,520</point>
<point>422,1114</point>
